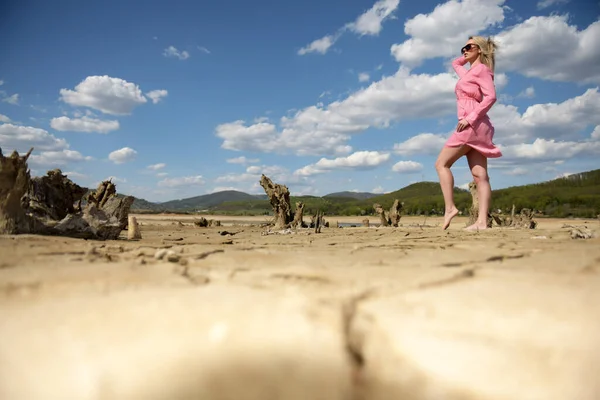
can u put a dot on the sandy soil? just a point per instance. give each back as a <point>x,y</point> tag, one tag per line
<point>409,312</point>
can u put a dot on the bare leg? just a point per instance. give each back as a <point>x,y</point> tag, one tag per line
<point>446,159</point>
<point>479,170</point>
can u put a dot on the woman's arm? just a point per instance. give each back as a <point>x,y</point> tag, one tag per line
<point>485,79</point>
<point>458,65</point>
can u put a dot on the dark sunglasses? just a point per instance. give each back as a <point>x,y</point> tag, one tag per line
<point>467,48</point>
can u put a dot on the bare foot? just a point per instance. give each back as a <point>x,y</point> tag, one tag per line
<point>448,217</point>
<point>476,227</point>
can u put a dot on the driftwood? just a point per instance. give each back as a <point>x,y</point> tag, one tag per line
<point>46,205</point>
<point>365,222</point>
<point>279,197</point>
<point>391,218</point>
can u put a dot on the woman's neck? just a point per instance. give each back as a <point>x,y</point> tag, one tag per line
<point>477,61</point>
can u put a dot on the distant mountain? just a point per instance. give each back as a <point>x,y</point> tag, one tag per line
<point>573,195</point>
<point>352,195</point>
<point>206,201</point>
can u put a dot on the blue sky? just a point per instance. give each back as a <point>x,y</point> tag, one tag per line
<point>183,98</point>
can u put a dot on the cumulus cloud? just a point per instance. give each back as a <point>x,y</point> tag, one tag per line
<point>424,143</point>
<point>172,51</point>
<point>549,121</point>
<point>242,160</point>
<point>378,190</point>
<point>528,93</point>
<point>4,118</point>
<point>110,95</point>
<point>57,158</point>
<point>156,167</point>
<point>548,3</point>
<point>22,138</point>
<point>368,23</point>
<point>364,77</point>
<point>444,31</point>
<point>83,124</point>
<point>182,181</point>
<point>360,160</point>
<point>12,99</point>
<point>407,167</point>
<point>157,95</point>
<point>550,150</point>
<point>549,48</point>
<point>123,155</point>
<point>326,130</point>
<point>596,133</point>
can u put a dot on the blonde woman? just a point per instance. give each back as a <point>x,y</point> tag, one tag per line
<point>476,94</point>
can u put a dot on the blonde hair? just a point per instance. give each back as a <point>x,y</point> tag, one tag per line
<point>488,48</point>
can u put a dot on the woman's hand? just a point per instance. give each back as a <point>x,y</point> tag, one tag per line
<point>462,125</point>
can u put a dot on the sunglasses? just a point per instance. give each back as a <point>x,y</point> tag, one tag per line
<point>468,47</point>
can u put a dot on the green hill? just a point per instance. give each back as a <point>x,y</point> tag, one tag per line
<point>352,195</point>
<point>576,195</point>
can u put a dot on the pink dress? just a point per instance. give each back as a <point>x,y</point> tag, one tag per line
<point>475,94</point>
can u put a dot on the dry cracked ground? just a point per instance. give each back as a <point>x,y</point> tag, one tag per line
<point>351,313</point>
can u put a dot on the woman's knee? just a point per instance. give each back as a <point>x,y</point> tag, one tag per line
<point>480,175</point>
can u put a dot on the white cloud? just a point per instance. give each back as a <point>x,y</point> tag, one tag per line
<point>275,172</point>
<point>550,150</point>
<point>83,124</point>
<point>364,77</point>
<point>242,160</point>
<point>550,121</point>
<point>319,45</point>
<point>549,48</point>
<point>4,118</point>
<point>182,181</point>
<point>596,133</point>
<point>13,99</point>
<point>156,167</point>
<point>22,138</point>
<point>527,93</point>
<point>445,30</point>
<point>378,190</point>
<point>360,160</point>
<point>326,130</point>
<point>1,82</point>
<point>548,3</point>
<point>407,167</point>
<point>424,143</point>
<point>172,51</point>
<point>57,158</point>
<point>157,95</point>
<point>500,80</point>
<point>72,175</point>
<point>518,171</point>
<point>162,174</point>
<point>114,179</point>
<point>109,95</point>
<point>123,155</point>
<point>203,49</point>
<point>368,23</point>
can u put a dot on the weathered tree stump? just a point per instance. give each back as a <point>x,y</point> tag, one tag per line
<point>523,220</point>
<point>279,197</point>
<point>298,222</point>
<point>474,210</point>
<point>394,216</point>
<point>365,222</point>
<point>202,222</point>
<point>391,218</point>
<point>133,229</point>
<point>14,183</point>
<point>379,210</point>
<point>46,205</point>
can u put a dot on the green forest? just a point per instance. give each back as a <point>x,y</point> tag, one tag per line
<point>576,195</point>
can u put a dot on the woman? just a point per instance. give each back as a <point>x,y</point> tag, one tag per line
<point>475,95</point>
